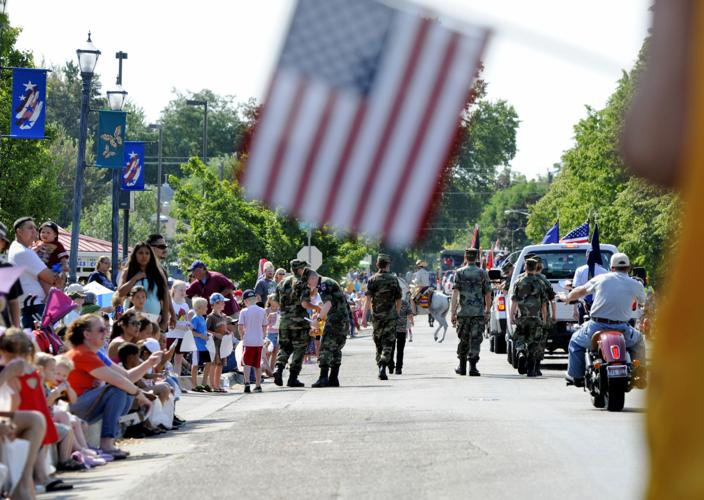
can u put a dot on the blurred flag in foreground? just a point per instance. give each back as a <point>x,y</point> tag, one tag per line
<point>360,116</point>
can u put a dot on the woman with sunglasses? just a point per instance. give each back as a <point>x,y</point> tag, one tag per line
<point>104,392</point>
<point>143,269</point>
<point>126,329</point>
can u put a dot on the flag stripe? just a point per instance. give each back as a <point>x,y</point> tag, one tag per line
<point>411,159</point>
<point>359,117</point>
<point>411,64</point>
<point>283,139</point>
<point>433,158</point>
<point>314,150</point>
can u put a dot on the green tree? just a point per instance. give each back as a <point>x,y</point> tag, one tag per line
<point>96,220</point>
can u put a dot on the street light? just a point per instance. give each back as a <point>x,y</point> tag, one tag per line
<point>87,59</point>
<point>512,234</point>
<point>158,126</point>
<point>196,102</point>
<point>116,101</point>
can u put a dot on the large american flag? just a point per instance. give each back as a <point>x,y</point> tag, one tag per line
<point>578,235</point>
<point>360,116</point>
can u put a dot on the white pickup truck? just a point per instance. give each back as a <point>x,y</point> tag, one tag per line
<point>560,261</point>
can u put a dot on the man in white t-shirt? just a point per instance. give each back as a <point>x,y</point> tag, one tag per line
<point>21,255</point>
<point>581,277</point>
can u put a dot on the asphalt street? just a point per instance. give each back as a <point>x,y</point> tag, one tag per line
<point>425,434</point>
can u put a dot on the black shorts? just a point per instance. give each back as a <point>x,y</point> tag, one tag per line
<point>203,357</point>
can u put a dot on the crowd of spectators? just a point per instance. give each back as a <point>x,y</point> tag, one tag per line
<point>75,379</point>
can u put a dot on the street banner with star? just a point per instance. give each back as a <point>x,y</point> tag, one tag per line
<point>28,103</point>
<point>111,139</point>
<point>132,178</point>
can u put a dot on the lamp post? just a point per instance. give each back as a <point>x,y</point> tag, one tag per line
<point>194,102</point>
<point>512,234</point>
<point>158,126</point>
<point>116,101</point>
<point>87,59</point>
<point>522,212</point>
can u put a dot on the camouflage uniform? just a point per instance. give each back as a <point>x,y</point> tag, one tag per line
<point>545,329</point>
<point>473,284</point>
<point>293,328</point>
<point>529,294</point>
<point>336,325</point>
<point>383,289</point>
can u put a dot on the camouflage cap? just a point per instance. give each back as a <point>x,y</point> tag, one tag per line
<point>297,264</point>
<point>471,254</point>
<point>383,258</point>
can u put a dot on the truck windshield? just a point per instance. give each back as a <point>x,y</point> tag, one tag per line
<point>561,264</point>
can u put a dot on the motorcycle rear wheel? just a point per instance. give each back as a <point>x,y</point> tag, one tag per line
<point>615,396</point>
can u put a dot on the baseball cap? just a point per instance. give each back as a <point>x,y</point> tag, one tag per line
<point>298,264</point>
<point>91,298</point>
<point>196,264</point>
<point>620,260</point>
<point>383,257</point>
<point>152,345</point>
<point>75,290</point>
<point>248,294</point>
<point>217,297</point>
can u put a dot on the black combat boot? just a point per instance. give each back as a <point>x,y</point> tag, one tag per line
<point>462,368</point>
<point>530,367</point>
<point>323,380</point>
<point>473,372</point>
<point>293,378</point>
<point>279,375</point>
<point>382,373</point>
<point>333,381</point>
<point>522,363</point>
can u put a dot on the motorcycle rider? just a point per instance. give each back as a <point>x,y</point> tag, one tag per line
<point>614,293</point>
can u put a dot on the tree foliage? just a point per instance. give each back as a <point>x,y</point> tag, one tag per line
<point>96,219</point>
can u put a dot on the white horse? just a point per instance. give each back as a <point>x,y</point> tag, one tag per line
<point>439,306</point>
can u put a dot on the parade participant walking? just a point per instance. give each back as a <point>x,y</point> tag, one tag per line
<point>384,299</point>
<point>293,327</point>
<point>530,300</point>
<point>472,292</point>
<point>35,272</point>
<point>551,314</point>
<point>403,325</point>
<point>335,314</point>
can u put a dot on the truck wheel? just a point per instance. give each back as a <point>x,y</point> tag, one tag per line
<point>615,396</point>
<point>499,344</point>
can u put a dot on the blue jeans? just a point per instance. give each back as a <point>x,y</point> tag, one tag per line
<point>113,404</point>
<point>582,338</point>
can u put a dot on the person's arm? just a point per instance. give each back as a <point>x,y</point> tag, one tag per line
<point>70,393</point>
<point>47,276</point>
<point>575,294</point>
<point>327,305</point>
<point>127,285</point>
<point>55,394</point>
<point>398,306</point>
<point>367,308</point>
<point>487,302</point>
<point>138,371</point>
<point>544,312</point>
<point>15,316</point>
<point>514,309</point>
<point>454,301</point>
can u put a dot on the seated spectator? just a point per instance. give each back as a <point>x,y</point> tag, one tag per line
<point>100,274</point>
<point>15,344</point>
<point>35,272</point>
<point>27,425</point>
<point>106,402</point>
<point>136,300</point>
<point>89,304</point>
<point>126,329</point>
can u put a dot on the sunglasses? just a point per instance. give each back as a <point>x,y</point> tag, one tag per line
<point>161,247</point>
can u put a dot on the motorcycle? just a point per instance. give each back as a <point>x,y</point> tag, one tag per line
<point>610,370</point>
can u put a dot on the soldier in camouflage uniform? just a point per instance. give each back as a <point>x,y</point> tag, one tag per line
<point>551,315</point>
<point>293,327</point>
<point>335,313</point>
<point>530,299</point>
<point>472,292</point>
<point>384,298</point>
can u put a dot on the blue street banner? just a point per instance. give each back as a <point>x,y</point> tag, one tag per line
<point>553,235</point>
<point>132,178</point>
<point>111,137</point>
<point>28,103</point>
